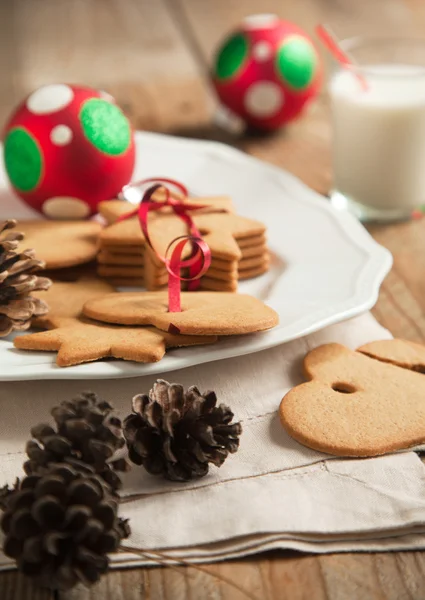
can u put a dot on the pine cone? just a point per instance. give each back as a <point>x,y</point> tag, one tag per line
<point>59,526</point>
<point>177,434</point>
<point>85,434</point>
<point>17,281</point>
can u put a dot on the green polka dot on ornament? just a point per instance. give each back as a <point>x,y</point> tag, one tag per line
<point>23,159</point>
<point>105,126</point>
<point>296,62</point>
<point>231,57</point>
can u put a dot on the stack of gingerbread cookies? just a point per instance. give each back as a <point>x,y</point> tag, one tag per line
<point>88,320</point>
<point>238,245</point>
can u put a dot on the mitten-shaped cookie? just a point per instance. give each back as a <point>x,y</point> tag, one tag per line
<point>361,403</point>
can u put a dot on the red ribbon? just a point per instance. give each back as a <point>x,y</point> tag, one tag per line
<point>200,258</point>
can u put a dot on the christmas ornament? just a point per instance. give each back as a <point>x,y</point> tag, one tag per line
<point>61,525</point>
<point>177,434</point>
<point>66,148</point>
<point>17,280</point>
<point>86,437</point>
<point>267,71</point>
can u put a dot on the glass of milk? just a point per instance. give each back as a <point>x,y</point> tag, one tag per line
<point>379,132</point>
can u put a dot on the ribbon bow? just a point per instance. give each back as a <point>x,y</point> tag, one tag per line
<point>199,260</point>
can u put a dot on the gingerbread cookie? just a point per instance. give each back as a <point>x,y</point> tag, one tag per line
<point>123,234</point>
<point>62,243</point>
<point>81,340</point>
<point>254,240</point>
<point>222,275</point>
<point>120,271</point>
<point>127,282</point>
<point>228,266</point>
<point>253,252</point>
<point>398,352</point>
<point>228,271</point>
<point>66,299</point>
<point>112,210</point>
<point>221,231</point>
<point>154,278</point>
<point>206,284</point>
<point>254,271</point>
<point>236,244</point>
<point>109,258</point>
<point>218,285</point>
<point>203,313</point>
<point>126,250</point>
<point>87,270</point>
<point>128,232</point>
<point>245,263</point>
<point>216,278</point>
<point>356,405</point>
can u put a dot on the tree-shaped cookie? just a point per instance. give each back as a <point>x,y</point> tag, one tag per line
<point>203,313</point>
<point>81,340</point>
<point>111,210</point>
<point>362,403</point>
<point>128,232</point>
<point>219,230</point>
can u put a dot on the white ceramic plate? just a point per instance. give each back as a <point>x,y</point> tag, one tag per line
<point>325,266</point>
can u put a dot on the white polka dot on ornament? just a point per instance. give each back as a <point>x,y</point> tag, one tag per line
<point>65,207</point>
<point>49,99</point>
<point>264,99</point>
<point>61,135</point>
<point>262,51</point>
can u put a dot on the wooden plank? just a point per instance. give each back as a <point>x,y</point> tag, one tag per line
<point>401,305</point>
<point>178,583</point>
<point>130,48</point>
<point>417,8</point>
<point>397,576</point>
<point>394,576</point>
<point>18,587</point>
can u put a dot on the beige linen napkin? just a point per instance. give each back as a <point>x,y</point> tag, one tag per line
<point>274,493</point>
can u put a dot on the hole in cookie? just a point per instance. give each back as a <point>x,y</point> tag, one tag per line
<point>419,368</point>
<point>343,388</point>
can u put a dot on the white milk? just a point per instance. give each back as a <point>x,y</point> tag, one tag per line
<point>379,137</point>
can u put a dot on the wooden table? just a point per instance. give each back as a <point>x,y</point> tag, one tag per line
<point>153,55</point>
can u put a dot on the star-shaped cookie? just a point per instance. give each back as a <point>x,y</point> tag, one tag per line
<point>66,298</point>
<point>81,340</point>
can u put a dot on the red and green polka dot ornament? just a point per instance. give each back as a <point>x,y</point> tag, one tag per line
<point>67,148</point>
<point>267,71</point>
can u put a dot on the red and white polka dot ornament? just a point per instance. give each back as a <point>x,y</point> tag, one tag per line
<point>267,71</point>
<point>67,148</point>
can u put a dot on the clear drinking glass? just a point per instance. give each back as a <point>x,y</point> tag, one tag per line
<point>379,132</point>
